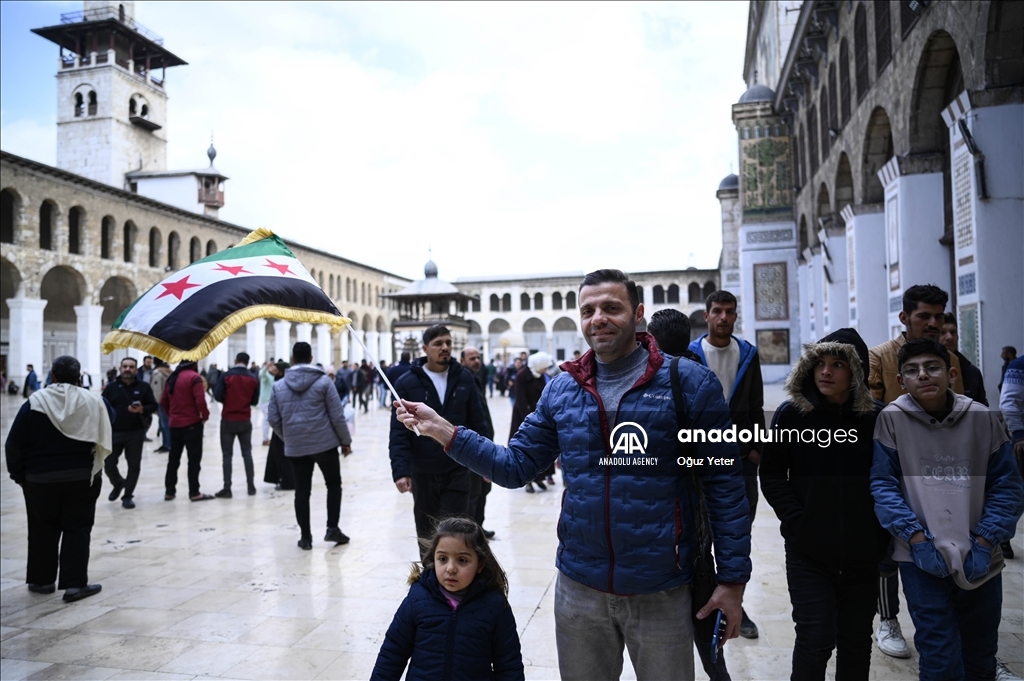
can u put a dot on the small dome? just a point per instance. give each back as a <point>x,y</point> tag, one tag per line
<point>430,270</point>
<point>758,93</point>
<point>211,153</point>
<point>730,182</point>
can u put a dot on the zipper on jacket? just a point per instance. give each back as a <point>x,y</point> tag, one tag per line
<point>450,652</point>
<point>679,529</point>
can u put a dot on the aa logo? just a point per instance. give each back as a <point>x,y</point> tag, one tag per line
<point>628,438</point>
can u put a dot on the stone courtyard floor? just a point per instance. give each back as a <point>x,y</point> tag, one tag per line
<point>220,590</point>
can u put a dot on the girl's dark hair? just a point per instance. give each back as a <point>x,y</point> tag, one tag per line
<point>468,531</point>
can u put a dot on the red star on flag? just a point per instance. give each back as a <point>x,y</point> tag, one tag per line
<point>283,269</point>
<point>177,288</point>
<point>234,270</point>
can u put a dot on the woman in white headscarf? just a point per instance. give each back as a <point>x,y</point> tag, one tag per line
<point>529,384</point>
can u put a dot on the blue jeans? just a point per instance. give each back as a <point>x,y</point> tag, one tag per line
<point>165,428</point>
<point>957,631</point>
<point>591,628</point>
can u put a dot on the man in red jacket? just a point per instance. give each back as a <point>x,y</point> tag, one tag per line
<point>184,400</point>
<point>238,390</point>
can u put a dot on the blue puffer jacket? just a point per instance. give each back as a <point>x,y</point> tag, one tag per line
<point>305,411</point>
<point>478,640</point>
<point>627,534</point>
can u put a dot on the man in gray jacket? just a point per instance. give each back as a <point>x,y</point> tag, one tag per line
<point>305,411</point>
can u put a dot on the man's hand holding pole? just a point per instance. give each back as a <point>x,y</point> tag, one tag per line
<point>423,420</point>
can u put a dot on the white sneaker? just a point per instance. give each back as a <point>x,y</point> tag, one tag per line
<point>1004,673</point>
<point>890,639</point>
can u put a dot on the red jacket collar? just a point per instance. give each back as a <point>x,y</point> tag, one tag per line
<point>584,369</point>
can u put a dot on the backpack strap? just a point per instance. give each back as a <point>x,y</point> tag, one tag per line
<point>698,511</point>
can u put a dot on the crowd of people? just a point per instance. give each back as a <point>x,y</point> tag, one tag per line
<point>916,477</point>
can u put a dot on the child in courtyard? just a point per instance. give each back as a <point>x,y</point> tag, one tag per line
<point>456,622</point>
<point>947,488</point>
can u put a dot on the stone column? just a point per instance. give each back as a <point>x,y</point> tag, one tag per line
<point>866,276</point>
<point>88,336</point>
<point>282,339</point>
<point>323,344</point>
<point>372,340</point>
<point>26,338</point>
<point>256,340</point>
<point>386,353</point>
<point>304,332</point>
<point>550,337</point>
<point>357,349</point>
<point>221,357</point>
<point>486,352</point>
<point>343,342</point>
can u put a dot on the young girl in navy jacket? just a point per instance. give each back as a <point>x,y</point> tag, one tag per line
<point>456,622</point>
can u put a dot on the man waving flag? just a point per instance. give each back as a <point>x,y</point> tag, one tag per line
<point>193,310</point>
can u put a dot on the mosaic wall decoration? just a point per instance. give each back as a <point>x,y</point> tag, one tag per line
<point>962,221</point>
<point>967,284</point>
<point>892,229</point>
<point>895,304</point>
<point>770,236</point>
<point>771,291</point>
<point>969,340</point>
<point>773,346</point>
<point>767,177</point>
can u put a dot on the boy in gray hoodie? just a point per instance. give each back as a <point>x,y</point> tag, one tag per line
<point>947,488</point>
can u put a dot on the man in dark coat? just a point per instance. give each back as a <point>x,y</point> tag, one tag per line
<point>134,405</point>
<point>55,450</point>
<point>479,486</point>
<point>440,487</point>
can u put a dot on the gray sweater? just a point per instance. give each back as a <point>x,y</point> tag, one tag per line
<point>615,378</point>
<point>305,411</point>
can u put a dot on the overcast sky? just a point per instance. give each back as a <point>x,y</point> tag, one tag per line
<point>511,138</point>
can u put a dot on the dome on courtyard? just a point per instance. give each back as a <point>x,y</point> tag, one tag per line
<point>731,181</point>
<point>757,93</point>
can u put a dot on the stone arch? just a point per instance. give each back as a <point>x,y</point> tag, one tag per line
<point>62,288</point>
<point>709,288</point>
<point>497,326</point>
<point>474,327</point>
<point>524,301</point>
<point>195,249</point>
<point>154,247</point>
<point>10,213</point>
<point>130,232</point>
<point>640,293</point>
<point>556,300</point>
<point>538,301</point>
<point>844,82</point>
<point>693,293</point>
<point>823,207</point>
<point>826,138</point>
<point>211,247</point>
<point>330,281</point>
<point>367,324</point>
<point>672,294</point>
<point>506,302</point>
<point>320,279</point>
<point>382,326</point>
<point>107,226</point>
<point>76,230</point>
<point>564,324</point>
<point>844,187</point>
<point>570,300</point>
<point>534,325</point>
<point>10,284</point>
<point>1004,60</point>
<point>658,295</point>
<point>83,99</point>
<point>495,303</point>
<point>47,224</point>
<point>938,81</point>
<point>698,326</point>
<point>116,295</point>
<point>173,250</point>
<point>877,152</point>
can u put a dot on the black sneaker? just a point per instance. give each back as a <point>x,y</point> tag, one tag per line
<point>488,533</point>
<point>116,492</point>
<point>252,490</point>
<point>127,502</point>
<point>223,494</point>
<point>306,543</point>
<point>540,485</point>
<point>161,450</point>
<point>747,628</point>
<point>335,535</point>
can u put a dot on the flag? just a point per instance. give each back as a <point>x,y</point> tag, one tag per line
<point>192,311</point>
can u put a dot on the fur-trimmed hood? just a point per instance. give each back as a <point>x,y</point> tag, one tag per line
<point>800,385</point>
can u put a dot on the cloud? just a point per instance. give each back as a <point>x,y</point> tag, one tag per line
<point>509,137</point>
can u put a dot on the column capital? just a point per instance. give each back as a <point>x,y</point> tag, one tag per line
<point>35,304</point>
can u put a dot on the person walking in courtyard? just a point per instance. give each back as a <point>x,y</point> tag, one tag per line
<point>821,493</point>
<point>922,316</point>
<point>737,365</point>
<point>134,406</point>
<point>31,382</point>
<point>947,514</point>
<point>306,412</point>
<point>479,487</point>
<point>157,383</point>
<point>239,392</point>
<point>184,400</point>
<point>266,376</point>
<point>528,387</point>
<point>626,543</point>
<point>55,451</point>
